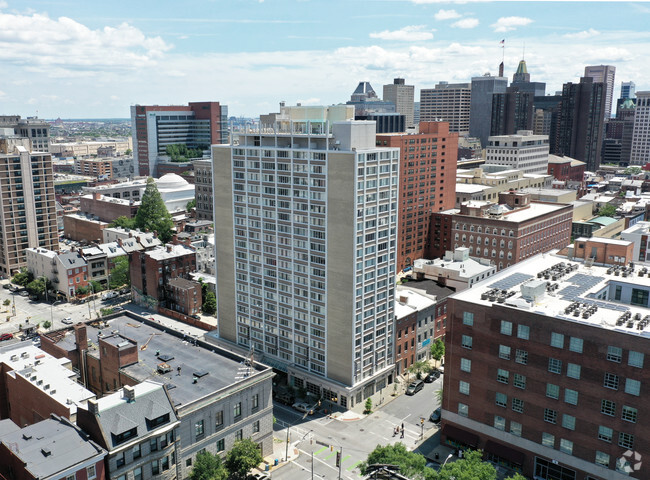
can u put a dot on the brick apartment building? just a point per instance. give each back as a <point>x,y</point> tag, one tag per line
<point>504,233</point>
<point>545,370</point>
<point>566,168</point>
<point>151,272</point>
<point>427,183</point>
<point>107,208</point>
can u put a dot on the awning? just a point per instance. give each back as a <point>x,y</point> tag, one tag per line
<point>460,435</point>
<point>515,456</point>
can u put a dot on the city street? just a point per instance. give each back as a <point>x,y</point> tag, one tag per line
<point>317,434</point>
<point>30,313</point>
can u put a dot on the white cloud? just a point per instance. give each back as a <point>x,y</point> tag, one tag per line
<point>466,23</point>
<point>446,14</point>
<point>505,24</point>
<point>411,33</point>
<point>2,94</point>
<point>3,4</point>
<point>584,34</point>
<point>42,43</point>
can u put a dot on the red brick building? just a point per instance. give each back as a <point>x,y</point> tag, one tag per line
<point>106,208</point>
<point>428,181</point>
<point>504,233</point>
<point>566,168</point>
<point>151,272</point>
<point>405,346</point>
<point>546,370</point>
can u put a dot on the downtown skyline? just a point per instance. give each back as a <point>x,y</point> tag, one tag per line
<point>78,59</point>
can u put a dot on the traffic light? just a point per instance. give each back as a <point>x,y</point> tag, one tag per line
<point>338,459</point>
<point>331,448</point>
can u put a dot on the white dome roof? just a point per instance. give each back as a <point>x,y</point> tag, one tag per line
<point>171,181</point>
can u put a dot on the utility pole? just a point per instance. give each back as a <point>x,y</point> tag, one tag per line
<point>339,461</point>
<point>312,463</point>
<point>286,452</point>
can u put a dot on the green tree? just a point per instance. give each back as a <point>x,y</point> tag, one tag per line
<point>368,405</point>
<point>105,311</point>
<point>418,367</point>
<point>632,170</point>
<point>23,278</point>
<point>242,458</point>
<point>438,350</point>
<point>96,286</point>
<point>82,290</point>
<point>47,324</point>
<point>470,467</point>
<point>410,464</point>
<point>210,304</point>
<point>38,286</point>
<point>190,205</point>
<point>516,476</point>
<point>128,151</point>
<point>120,275</point>
<point>152,214</point>
<point>7,302</point>
<point>607,210</point>
<point>122,221</point>
<point>208,466</point>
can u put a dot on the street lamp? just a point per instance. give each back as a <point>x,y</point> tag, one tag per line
<point>446,460</point>
<point>52,311</point>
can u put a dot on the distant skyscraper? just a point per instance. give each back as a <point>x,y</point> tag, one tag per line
<point>366,101</point>
<point>512,111</point>
<point>604,74</point>
<point>640,154</point>
<point>521,79</point>
<point>27,204</point>
<point>627,89</point>
<point>197,125</point>
<point>447,102</point>
<point>580,123</point>
<point>480,113</point>
<point>306,218</point>
<point>403,97</point>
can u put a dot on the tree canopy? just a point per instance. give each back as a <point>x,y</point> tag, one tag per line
<point>190,205</point>
<point>123,221</point>
<point>210,304</point>
<point>179,152</point>
<point>411,464</point>
<point>607,210</point>
<point>38,286</point>
<point>119,275</point>
<point>438,349</point>
<point>152,214</point>
<point>244,456</point>
<point>23,278</point>
<point>208,466</point>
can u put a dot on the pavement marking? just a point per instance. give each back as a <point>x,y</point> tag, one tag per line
<point>331,454</point>
<point>345,458</point>
<point>354,465</point>
<point>406,417</point>
<point>321,450</point>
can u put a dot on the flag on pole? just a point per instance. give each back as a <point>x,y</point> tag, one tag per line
<point>502,41</point>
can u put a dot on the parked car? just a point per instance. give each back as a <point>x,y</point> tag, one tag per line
<point>118,309</point>
<point>432,376</point>
<point>414,387</point>
<point>124,291</point>
<point>67,320</point>
<point>284,397</point>
<point>7,286</point>
<point>23,293</point>
<point>435,415</point>
<point>303,407</point>
<point>6,336</point>
<point>109,295</point>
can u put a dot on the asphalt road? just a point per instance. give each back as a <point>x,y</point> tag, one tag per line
<point>317,434</point>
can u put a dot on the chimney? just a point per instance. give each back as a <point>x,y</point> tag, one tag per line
<point>93,407</point>
<point>168,247</point>
<point>80,337</point>
<point>96,195</point>
<point>129,393</point>
<point>403,299</point>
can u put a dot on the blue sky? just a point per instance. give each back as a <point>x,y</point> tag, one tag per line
<point>86,58</point>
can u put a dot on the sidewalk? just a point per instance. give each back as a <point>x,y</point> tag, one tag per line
<point>379,400</point>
